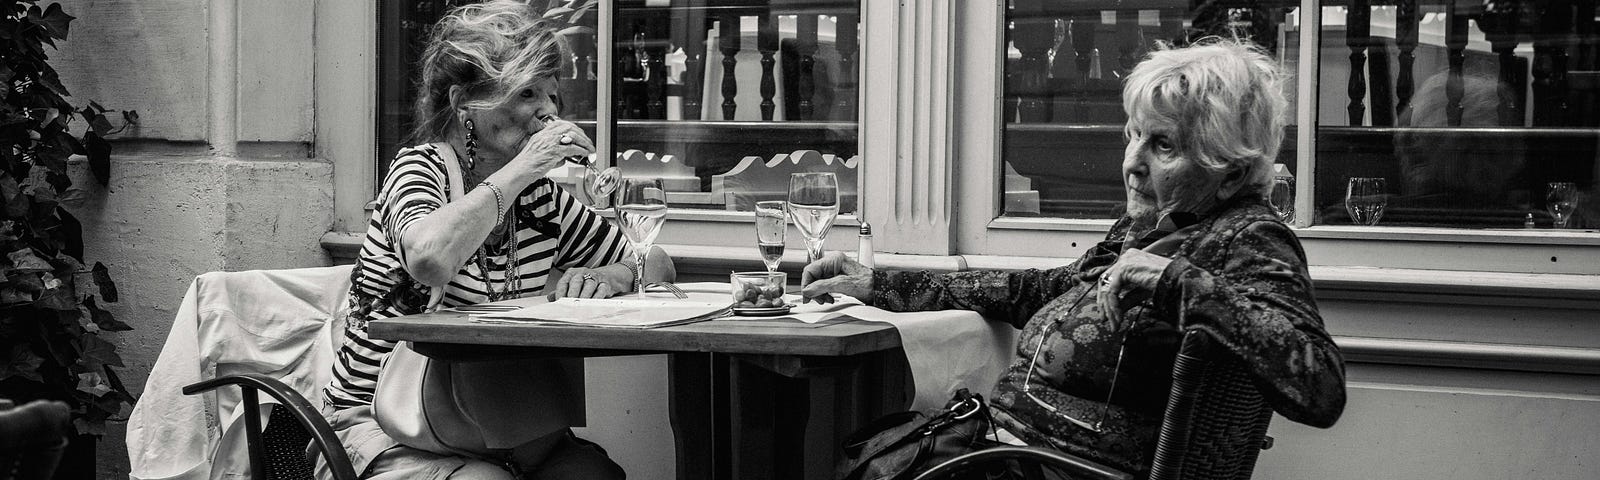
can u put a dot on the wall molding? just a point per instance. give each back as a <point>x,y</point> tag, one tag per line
<point>907,124</point>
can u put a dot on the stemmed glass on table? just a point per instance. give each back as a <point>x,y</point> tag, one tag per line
<point>1365,199</point>
<point>1560,198</point>
<point>641,206</point>
<point>771,228</point>
<point>813,204</point>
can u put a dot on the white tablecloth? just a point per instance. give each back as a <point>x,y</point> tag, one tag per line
<point>946,349</point>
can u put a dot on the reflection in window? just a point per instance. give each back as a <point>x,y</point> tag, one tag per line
<point>1477,114</point>
<point>1063,145</point>
<point>715,97</point>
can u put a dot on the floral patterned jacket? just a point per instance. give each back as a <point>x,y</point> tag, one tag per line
<point>1240,275</point>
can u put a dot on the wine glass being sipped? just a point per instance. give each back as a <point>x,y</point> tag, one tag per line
<point>813,203</point>
<point>771,227</point>
<point>641,207</point>
<point>1560,198</point>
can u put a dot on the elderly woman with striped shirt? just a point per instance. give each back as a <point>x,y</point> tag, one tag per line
<point>488,102</point>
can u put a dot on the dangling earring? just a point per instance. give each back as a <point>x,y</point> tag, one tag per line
<point>472,144</point>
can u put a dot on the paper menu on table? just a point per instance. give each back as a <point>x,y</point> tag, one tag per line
<point>615,312</point>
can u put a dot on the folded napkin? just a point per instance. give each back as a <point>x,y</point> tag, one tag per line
<point>946,349</point>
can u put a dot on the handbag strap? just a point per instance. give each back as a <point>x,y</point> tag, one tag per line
<point>453,179</point>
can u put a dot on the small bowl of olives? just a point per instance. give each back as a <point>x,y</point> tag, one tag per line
<point>758,293</point>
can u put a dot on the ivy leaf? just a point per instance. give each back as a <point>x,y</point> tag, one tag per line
<point>99,152</point>
<point>97,119</point>
<point>6,74</point>
<point>25,261</point>
<point>93,383</point>
<point>57,295</point>
<point>95,352</point>
<point>102,279</point>
<point>70,234</point>
<point>57,22</point>
<point>22,363</point>
<point>52,81</point>
<point>103,318</point>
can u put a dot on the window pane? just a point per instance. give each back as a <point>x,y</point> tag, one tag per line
<point>714,96</point>
<point>1062,145</point>
<point>1468,112</point>
<point>402,35</point>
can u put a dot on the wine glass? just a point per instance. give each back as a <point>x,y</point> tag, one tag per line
<point>771,226</point>
<point>813,202</point>
<point>641,206</point>
<point>1365,199</point>
<point>1559,199</point>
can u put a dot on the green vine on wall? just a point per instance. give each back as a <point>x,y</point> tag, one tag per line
<point>50,313</point>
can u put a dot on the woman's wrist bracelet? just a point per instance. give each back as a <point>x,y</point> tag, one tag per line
<point>499,201</point>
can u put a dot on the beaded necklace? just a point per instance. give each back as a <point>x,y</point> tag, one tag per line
<point>508,248</point>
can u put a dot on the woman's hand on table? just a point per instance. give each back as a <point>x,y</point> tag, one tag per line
<point>545,149</point>
<point>836,273</point>
<point>1131,280</point>
<point>584,282</point>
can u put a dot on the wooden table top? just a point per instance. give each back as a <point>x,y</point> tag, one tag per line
<point>835,337</point>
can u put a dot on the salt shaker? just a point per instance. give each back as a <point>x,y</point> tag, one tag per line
<point>864,246</point>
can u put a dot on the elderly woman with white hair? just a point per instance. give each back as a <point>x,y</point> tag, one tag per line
<point>487,109</point>
<point>1199,249</point>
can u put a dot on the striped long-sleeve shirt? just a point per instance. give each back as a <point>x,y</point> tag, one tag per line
<point>554,231</point>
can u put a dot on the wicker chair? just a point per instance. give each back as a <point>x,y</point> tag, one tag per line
<point>280,450</point>
<point>1215,426</point>
<point>32,438</point>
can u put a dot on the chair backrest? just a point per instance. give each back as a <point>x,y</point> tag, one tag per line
<point>32,438</point>
<point>279,450</point>
<point>1216,420</point>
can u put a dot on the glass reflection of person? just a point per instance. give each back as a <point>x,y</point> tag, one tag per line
<point>1460,170</point>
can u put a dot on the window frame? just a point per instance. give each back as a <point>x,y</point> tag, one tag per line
<point>952,209</point>
<point>982,231</point>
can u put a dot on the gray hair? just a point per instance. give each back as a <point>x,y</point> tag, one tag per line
<point>492,50</point>
<point>1223,96</point>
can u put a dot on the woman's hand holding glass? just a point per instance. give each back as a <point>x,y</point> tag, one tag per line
<point>836,273</point>
<point>549,147</point>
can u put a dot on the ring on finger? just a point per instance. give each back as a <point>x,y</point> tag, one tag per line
<point>565,140</point>
<point>588,277</point>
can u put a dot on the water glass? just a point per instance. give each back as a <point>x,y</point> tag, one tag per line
<point>1560,198</point>
<point>813,204</point>
<point>1282,198</point>
<point>641,207</point>
<point>772,225</point>
<point>1365,199</point>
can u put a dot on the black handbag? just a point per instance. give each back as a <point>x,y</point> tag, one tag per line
<point>901,445</point>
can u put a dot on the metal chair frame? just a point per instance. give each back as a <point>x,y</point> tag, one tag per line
<point>296,405</point>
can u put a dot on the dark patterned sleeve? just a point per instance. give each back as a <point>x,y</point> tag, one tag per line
<point>1261,308</point>
<point>1010,296</point>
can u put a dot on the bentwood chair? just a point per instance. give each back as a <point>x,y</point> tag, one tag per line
<point>281,450</point>
<point>1214,427</point>
<point>32,438</point>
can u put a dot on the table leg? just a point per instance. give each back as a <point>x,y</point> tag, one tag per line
<point>775,398</point>
<point>698,397</point>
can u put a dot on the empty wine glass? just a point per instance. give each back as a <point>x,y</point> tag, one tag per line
<point>641,206</point>
<point>1560,198</point>
<point>771,226</point>
<point>813,203</point>
<point>1365,199</point>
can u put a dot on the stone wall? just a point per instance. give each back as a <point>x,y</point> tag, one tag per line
<point>174,208</point>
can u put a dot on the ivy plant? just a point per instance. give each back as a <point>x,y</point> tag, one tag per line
<point>50,299</point>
